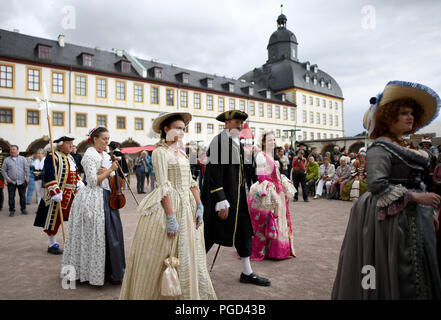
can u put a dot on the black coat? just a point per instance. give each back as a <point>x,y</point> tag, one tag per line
<point>224,179</point>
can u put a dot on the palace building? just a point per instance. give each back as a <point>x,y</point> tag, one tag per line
<point>91,86</point>
<point>318,97</point>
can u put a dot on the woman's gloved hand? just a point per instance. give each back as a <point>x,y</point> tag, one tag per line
<point>172,225</point>
<point>199,215</point>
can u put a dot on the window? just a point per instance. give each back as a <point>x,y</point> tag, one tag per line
<point>87,60</point>
<point>170,94</point>
<point>304,116</point>
<point>198,127</point>
<point>335,105</point>
<point>325,136</point>
<point>158,73</point>
<point>285,113</point>
<point>209,83</point>
<point>80,86</point>
<point>317,118</point>
<point>304,99</point>
<point>44,52</point>
<point>58,119</point>
<point>33,117</point>
<point>232,104</point>
<point>311,117</point>
<point>336,135</point>
<point>253,131</point>
<point>184,99</point>
<point>120,90</point>
<point>125,66</point>
<point>221,128</point>
<point>336,121</point>
<point>184,77</point>
<point>311,100</point>
<point>138,91</point>
<point>277,133</point>
<point>221,105</point>
<point>322,83</point>
<point>292,115</point>
<point>315,81</point>
<point>317,102</point>
<point>230,87</point>
<point>307,79</point>
<point>251,109</point>
<point>285,134</point>
<point>311,134</point>
<point>101,88</point>
<point>277,111</point>
<point>242,105</point>
<point>261,110</point>
<point>101,120</point>
<point>324,119</point>
<point>209,102</point>
<point>332,135</point>
<point>330,119</point>
<point>330,104</point>
<point>33,79</point>
<point>81,120</point>
<point>197,100</point>
<point>139,123</point>
<point>324,103</point>
<point>57,82</point>
<point>329,85</point>
<point>305,135</point>
<point>6,76</point>
<point>120,122</point>
<point>269,111</point>
<point>154,99</point>
<point>210,128</point>
<point>319,135</point>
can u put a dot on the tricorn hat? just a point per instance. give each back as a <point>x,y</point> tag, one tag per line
<point>64,138</point>
<point>232,114</point>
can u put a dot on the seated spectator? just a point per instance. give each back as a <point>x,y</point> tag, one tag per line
<point>317,157</point>
<point>336,161</point>
<point>312,169</point>
<point>342,175</point>
<point>326,173</point>
<point>355,187</point>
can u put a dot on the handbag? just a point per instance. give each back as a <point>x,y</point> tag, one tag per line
<point>170,285</point>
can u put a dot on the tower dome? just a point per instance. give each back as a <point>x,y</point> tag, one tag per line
<point>282,43</point>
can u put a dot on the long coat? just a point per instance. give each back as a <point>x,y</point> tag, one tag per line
<point>224,179</point>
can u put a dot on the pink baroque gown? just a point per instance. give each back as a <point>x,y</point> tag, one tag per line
<point>269,211</point>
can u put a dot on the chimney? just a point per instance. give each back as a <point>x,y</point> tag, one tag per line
<point>61,40</point>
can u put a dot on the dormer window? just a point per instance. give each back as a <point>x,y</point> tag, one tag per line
<point>209,83</point>
<point>322,83</point>
<point>329,85</point>
<point>308,66</point>
<point>315,69</point>
<point>231,87</point>
<point>44,51</point>
<point>86,59</point>
<point>158,73</point>
<point>283,96</point>
<point>125,66</point>
<point>182,77</point>
<point>251,91</point>
<point>307,79</point>
<point>268,94</point>
<point>315,81</point>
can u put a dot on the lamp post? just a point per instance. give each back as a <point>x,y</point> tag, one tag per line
<point>293,135</point>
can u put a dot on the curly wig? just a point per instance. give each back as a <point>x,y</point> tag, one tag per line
<point>386,115</point>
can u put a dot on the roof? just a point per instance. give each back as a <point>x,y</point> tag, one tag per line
<point>286,74</point>
<point>18,46</point>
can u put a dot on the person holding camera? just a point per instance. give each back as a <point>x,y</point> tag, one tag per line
<point>299,174</point>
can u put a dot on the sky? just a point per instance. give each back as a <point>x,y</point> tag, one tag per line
<point>361,44</point>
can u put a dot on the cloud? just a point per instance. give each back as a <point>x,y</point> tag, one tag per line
<point>230,37</point>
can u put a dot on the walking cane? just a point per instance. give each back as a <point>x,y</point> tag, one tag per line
<point>215,256</point>
<point>58,208</point>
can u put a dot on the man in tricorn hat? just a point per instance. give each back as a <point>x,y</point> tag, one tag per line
<point>62,190</point>
<point>227,219</point>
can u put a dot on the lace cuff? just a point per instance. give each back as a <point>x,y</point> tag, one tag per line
<point>394,200</point>
<point>152,202</point>
<point>224,204</point>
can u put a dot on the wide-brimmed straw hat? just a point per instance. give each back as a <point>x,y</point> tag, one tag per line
<point>397,90</point>
<point>156,125</point>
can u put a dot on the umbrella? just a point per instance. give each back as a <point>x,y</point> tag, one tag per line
<point>131,150</point>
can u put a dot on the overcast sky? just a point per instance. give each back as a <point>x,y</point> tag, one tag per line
<point>230,37</point>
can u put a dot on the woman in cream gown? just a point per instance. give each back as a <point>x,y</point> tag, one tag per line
<point>153,242</point>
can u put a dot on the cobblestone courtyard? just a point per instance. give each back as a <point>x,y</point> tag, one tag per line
<point>27,271</point>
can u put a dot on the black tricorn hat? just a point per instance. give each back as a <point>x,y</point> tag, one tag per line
<point>232,114</point>
<point>64,138</point>
<point>114,144</point>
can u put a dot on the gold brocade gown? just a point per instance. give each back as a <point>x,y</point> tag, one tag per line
<point>151,245</point>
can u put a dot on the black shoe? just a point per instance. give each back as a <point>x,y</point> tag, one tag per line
<point>24,211</point>
<point>11,213</point>
<point>254,279</point>
<point>55,249</point>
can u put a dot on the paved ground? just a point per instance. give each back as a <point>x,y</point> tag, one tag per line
<point>27,271</point>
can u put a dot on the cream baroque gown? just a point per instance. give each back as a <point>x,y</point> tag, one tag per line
<point>151,245</point>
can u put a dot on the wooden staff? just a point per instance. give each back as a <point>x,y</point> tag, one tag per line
<point>125,179</point>
<point>58,209</point>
